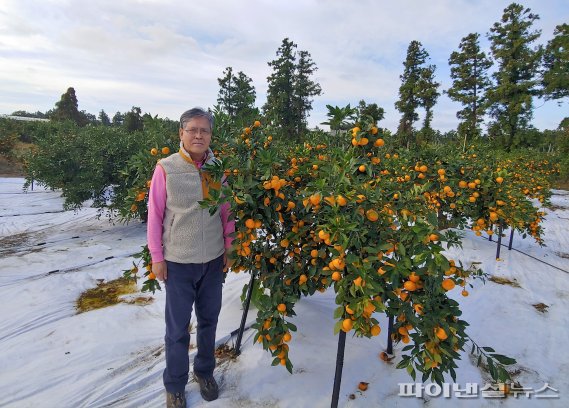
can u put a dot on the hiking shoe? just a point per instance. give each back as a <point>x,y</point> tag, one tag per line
<point>208,387</point>
<point>175,400</point>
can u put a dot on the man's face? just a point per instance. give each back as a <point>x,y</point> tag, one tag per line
<point>196,136</point>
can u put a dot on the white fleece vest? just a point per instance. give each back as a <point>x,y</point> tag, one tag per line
<point>190,234</point>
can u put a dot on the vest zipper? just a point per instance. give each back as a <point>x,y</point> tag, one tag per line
<point>202,180</point>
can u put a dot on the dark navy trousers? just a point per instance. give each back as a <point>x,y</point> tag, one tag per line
<point>186,285</point>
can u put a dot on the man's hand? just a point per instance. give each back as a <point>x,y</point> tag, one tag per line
<point>160,270</point>
<point>227,260</point>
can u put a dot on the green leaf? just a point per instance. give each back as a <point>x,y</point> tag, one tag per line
<point>338,312</point>
<point>289,366</point>
<point>504,359</point>
<point>337,327</point>
<point>488,349</point>
<point>491,367</point>
<point>452,374</point>
<point>404,362</point>
<point>503,375</point>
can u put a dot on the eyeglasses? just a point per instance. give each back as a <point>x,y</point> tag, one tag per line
<point>201,131</point>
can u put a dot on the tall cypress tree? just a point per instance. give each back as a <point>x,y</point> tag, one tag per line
<point>556,64</point>
<point>428,95</point>
<point>236,96</point>
<point>510,98</point>
<point>418,89</point>
<point>290,89</point>
<point>279,106</point>
<point>245,97</point>
<point>304,89</point>
<point>118,119</point>
<point>226,94</point>
<point>104,118</point>
<point>469,72</point>
<point>68,109</point>
<point>133,120</point>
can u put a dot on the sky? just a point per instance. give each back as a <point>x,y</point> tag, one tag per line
<point>166,56</point>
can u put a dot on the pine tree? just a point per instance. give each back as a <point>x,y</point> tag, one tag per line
<point>304,89</point>
<point>556,64</point>
<point>428,95</point>
<point>104,118</point>
<point>226,94</point>
<point>118,119</point>
<point>510,98</point>
<point>279,106</point>
<point>236,97</point>
<point>290,89</point>
<point>133,120</point>
<point>68,109</point>
<point>418,89</point>
<point>469,68</point>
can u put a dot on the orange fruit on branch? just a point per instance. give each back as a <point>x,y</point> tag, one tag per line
<point>448,284</point>
<point>441,333</point>
<point>375,330</point>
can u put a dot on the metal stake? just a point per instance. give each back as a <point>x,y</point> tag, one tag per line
<point>511,239</point>
<point>499,241</point>
<point>339,367</point>
<point>389,338</point>
<point>244,316</point>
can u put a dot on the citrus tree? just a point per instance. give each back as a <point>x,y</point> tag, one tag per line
<point>349,213</point>
<point>342,213</point>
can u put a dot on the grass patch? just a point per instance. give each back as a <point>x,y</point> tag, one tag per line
<point>9,245</point>
<point>224,353</point>
<point>504,281</point>
<point>560,184</point>
<point>108,294</point>
<point>554,207</point>
<point>541,307</point>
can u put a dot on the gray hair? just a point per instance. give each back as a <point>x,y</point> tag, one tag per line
<point>194,113</point>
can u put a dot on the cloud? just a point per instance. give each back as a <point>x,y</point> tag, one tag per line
<point>167,55</point>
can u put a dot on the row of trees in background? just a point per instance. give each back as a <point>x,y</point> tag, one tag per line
<point>523,72</point>
<point>289,95</point>
<point>67,109</point>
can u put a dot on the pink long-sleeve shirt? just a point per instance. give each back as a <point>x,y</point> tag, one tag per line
<point>156,207</point>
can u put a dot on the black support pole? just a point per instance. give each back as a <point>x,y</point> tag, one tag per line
<point>499,245</point>
<point>339,368</point>
<point>244,316</point>
<point>389,338</point>
<point>511,239</point>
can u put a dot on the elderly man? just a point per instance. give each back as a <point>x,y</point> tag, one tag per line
<point>189,249</point>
